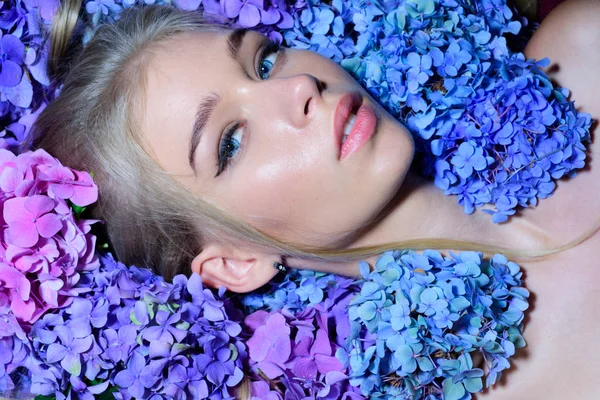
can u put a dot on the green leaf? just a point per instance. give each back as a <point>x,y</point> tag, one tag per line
<point>180,347</point>
<point>163,307</point>
<point>134,319</point>
<point>75,368</point>
<point>234,352</point>
<point>150,309</point>
<point>41,397</point>
<point>77,211</point>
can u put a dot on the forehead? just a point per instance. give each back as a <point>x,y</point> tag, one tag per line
<point>186,67</point>
<point>180,72</point>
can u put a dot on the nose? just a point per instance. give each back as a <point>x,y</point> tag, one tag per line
<point>296,98</point>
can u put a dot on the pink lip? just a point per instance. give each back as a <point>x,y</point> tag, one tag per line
<point>363,128</point>
<point>342,112</point>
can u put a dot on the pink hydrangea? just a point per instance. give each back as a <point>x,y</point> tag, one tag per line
<point>28,218</point>
<point>43,248</point>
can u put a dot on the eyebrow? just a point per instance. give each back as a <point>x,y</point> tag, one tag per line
<point>210,102</point>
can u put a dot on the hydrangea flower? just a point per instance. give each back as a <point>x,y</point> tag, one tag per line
<point>44,248</point>
<point>142,336</point>
<point>295,352</point>
<point>429,318</point>
<point>12,52</point>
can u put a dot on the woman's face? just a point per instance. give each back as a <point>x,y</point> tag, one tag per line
<point>280,170</point>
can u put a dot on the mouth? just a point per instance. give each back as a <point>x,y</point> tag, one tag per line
<point>354,124</point>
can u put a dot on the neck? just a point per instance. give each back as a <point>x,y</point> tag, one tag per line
<point>422,211</point>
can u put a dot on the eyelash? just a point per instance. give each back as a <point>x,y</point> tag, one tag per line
<point>226,143</point>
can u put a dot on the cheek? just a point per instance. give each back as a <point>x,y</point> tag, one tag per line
<point>284,191</point>
<point>295,190</point>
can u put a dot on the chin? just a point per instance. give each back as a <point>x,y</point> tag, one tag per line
<point>394,151</point>
<point>393,156</point>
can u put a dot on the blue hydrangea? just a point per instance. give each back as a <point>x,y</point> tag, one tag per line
<point>414,335</point>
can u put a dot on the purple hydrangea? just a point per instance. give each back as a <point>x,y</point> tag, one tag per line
<point>295,352</point>
<point>138,335</point>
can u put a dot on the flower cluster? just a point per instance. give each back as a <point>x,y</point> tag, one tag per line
<point>25,88</point>
<point>513,140</point>
<point>14,352</point>
<point>267,17</point>
<point>428,315</point>
<point>308,312</point>
<point>137,335</point>
<point>43,247</point>
<point>295,355</point>
<point>300,289</point>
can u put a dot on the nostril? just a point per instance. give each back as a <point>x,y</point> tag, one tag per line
<point>306,107</point>
<point>321,86</point>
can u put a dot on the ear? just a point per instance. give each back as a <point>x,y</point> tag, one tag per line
<point>237,269</point>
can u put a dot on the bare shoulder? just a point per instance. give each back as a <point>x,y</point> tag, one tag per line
<point>570,38</point>
<point>561,326</point>
<point>575,21</point>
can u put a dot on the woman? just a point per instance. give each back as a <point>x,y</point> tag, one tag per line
<point>219,154</point>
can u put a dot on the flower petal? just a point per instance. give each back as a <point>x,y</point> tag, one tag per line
<point>48,225</point>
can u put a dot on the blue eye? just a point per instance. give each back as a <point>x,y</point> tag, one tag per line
<point>229,146</point>
<point>264,65</point>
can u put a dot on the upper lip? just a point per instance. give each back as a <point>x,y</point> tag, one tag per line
<point>348,102</point>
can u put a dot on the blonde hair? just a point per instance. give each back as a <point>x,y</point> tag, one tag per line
<point>92,125</point>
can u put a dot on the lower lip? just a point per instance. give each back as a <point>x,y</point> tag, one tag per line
<point>363,129</point>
